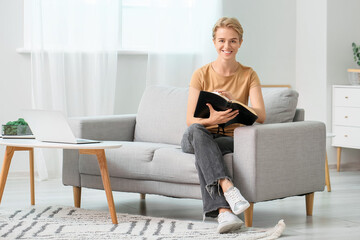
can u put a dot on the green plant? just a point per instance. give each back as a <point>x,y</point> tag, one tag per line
<point>356,49</point>
<point>18,127</point>
<point>20,121</point>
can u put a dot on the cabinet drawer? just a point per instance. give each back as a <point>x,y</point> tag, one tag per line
<point>347,97</point>
<point>346,137</point>
<point>347,116</point>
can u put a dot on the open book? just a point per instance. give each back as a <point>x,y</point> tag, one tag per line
<point>246,116</point>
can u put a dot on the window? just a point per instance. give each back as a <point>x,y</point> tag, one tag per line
<point>135,30</point>
<point>81,25</point>
<point>142,24</point>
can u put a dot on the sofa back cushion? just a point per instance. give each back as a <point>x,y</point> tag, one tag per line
<point>280,104</point>
<point>162,115</point>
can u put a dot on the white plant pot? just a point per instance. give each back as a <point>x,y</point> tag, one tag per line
<point>354,76</point>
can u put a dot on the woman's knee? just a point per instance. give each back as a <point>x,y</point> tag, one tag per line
<point>195,127</point>
<point>191,130</point>
<point>226,144</point>
<point>188,137</point>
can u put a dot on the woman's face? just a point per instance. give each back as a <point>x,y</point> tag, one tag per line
<point>227,43</point>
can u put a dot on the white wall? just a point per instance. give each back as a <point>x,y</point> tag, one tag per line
<point>311,81</point>
<point>269,37</point>
<point>131,82</point>
<point>343,28</point>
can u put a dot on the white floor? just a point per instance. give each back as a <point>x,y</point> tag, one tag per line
<point>336,214</point>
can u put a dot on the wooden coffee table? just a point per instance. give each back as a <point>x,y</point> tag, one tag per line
<point>98,149</point>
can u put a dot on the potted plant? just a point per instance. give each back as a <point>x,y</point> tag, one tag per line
<point>19,127</point>
<point>354,74</point>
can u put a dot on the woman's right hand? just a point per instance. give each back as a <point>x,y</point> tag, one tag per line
<point>218,117</point>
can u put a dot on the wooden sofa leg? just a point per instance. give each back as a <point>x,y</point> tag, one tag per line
<point>248,214</point>
<point>142,195</point>
<point>309,203</point>
<point>77,196</point>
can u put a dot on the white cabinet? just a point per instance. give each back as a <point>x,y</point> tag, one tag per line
<point>346,118</point>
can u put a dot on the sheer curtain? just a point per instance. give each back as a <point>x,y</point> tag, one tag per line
<point>182,39</point>
<point>73,61</point>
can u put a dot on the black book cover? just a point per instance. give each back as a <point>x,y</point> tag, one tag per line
<point>246,115</point>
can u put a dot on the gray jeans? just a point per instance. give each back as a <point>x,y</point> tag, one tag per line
<point>209,150</point>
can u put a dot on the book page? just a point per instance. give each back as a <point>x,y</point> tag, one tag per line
<point>234,101</point>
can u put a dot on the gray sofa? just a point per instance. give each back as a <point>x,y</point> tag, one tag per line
<point>282,158</point>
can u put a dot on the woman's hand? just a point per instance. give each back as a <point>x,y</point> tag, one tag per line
<point>224,93</point>
<point>218,117</point>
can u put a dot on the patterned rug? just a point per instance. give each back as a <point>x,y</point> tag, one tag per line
<point>59,222</point>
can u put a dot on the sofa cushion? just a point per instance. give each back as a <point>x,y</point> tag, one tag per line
<point>123,161</point>
<point>173,165</point>
<point>280,104</point>
<point>162,115</point>
<point>148,161</point>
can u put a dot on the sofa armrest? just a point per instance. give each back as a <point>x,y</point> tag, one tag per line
<point>70,171</point>
<point>274,161</point>
<point>106,128</point>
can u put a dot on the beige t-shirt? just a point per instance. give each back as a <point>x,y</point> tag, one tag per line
<point>238,84</point>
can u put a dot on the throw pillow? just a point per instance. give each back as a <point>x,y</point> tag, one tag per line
<point>280,104</point>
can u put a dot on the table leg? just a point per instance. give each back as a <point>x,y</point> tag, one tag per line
<point>338,158</point>
<point>9,152</point>
<point>32,185</point>
<point>327,175</point>
<point>100,154</point>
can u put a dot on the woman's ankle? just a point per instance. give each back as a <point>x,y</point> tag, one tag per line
<point>225,184</point>
<point>221,210</point>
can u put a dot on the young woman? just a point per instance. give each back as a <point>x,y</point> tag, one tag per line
<point>229,78</point>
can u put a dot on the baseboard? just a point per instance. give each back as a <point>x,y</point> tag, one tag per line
<point>350,166</point>
<point>26,175</point>
<point>19,175</point>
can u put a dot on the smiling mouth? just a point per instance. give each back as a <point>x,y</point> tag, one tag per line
<point>227,52</point>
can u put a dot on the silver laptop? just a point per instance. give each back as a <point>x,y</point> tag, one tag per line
<point>51,126</point>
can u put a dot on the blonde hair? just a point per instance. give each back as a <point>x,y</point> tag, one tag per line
<point>226,22</point>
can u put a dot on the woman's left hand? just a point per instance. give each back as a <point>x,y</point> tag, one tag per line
<point>224,93</point>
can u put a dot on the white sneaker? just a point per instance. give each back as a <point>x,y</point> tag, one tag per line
<point>237,202</point>
<point>228,222</point>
